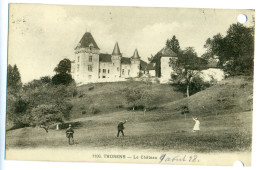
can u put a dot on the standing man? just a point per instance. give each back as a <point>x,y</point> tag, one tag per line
<point>120,128</point>
<point>69,134</point>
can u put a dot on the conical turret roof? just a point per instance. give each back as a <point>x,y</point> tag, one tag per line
<point>136,55</point>
<point>86,41</point>
<point>116,50</point>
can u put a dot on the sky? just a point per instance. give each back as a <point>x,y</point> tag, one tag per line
<point>42,35</point>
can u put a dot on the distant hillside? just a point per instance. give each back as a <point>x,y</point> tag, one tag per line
<point>230,95</point>
<point>110,97</point>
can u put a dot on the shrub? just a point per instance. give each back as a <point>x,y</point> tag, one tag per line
<point>93,110</point>
<point>197,84</point>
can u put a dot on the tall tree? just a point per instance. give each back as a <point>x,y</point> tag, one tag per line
<point>235,51</point>
<point>186,67</point>
<point>13,78</point>
<point>63,75</point>
<point>64,67</point>
<point>173,44</point>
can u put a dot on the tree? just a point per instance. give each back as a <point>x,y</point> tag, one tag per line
<point>133,96</point>
<point>64,67</point>
<point>145,100</point>
<point>186,67</point>
<point>46,114</point>
<point>140,97</point>
<point>185,110</point>
<point>45,79</point>
<point>173,44</point>
<point>65,79</point>
<point>63,75</point>
<point>235,51</point>
<point>13,79</point>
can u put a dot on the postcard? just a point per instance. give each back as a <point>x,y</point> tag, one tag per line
<point>130,84</point>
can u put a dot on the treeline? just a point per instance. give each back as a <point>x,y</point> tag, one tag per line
<point>234,51</point>
<point>40,102</point>
<point>234,54</point>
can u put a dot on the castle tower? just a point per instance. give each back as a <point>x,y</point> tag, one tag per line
<point>166,68</point>
<point>135,64</point>
<point>116,62</point>
<point>86,60</point>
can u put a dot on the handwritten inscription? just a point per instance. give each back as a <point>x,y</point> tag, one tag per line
<point>179,158</point>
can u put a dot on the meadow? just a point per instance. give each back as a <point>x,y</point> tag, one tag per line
<point>224,111</point>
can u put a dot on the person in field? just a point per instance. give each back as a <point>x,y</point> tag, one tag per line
<point>69,134</point>
<point>120,128</point>
<point>196,127</point>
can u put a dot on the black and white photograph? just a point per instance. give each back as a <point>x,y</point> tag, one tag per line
<point>118,84</point>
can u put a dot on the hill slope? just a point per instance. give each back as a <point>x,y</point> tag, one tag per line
<point>110,97</point>
<point>228,96</point>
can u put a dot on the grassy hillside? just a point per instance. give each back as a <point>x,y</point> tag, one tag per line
<point>228,96</point>
<point>110,97</point>
<point>223,111</point>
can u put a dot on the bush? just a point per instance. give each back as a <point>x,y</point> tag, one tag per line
<point>64,79</point>
<point>20,106</point>
<point>93,110</point>
<point>197,84</point>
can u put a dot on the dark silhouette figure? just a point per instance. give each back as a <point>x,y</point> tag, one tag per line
<point>69,134</point>
<point>120,128</point>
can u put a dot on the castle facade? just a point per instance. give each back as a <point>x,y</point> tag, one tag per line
<point>91,66</point>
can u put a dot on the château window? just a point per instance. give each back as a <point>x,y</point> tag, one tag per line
<point>128,72</point>
<point>117,68</point>
<point>104,70</point>
<point>78,68</point>
<point>90,58</point>
<point>123,71</point>
<point>78,59</point>
<point>108,71</point>
<point>89,67</point>
<point>99,70</point>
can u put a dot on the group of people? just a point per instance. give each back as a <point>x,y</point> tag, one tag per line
<point>120,129</point>
<point>70,132</point>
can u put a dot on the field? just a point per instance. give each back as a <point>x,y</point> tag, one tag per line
<point>224,111</point>
<point>153,131</point>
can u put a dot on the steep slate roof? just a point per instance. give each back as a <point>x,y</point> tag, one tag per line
<point>86,40</point>
<point>136,55</point>
<point>167,52</point>
<point>125,60</point>
<point>105,57</point>
<point>150,66</point>
<point>116,50</point>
